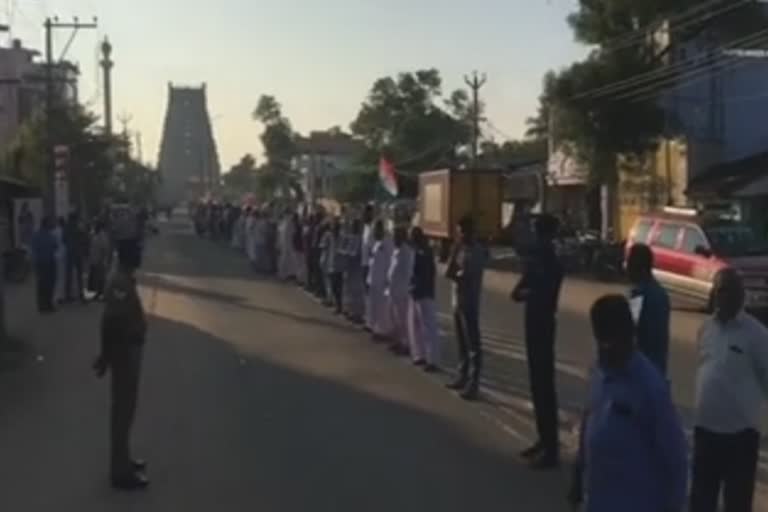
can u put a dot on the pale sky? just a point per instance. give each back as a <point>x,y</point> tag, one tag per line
<point>319,57</point>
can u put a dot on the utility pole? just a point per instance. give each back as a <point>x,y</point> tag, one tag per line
<point>107,64</point>
<point>476,82</point>
<point>51,24</point>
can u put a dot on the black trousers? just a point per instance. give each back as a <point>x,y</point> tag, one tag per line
<point>727,462</point>
<point>540,348</point>
<point>46,284</point>
<point>467,323</point>
<point>74,270</point>
<point>125,367</point>
<point>336,282</point>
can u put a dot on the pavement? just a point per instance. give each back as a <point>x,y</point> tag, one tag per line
<point>253,398</point>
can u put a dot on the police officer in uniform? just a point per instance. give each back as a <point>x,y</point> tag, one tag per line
<point>123,331</point>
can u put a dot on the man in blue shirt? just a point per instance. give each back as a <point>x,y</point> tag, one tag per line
<point>633,448</point>
<point>44,246</point>
<point>653,318</point>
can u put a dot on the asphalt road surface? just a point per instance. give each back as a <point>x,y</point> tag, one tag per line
<point>253,398</point>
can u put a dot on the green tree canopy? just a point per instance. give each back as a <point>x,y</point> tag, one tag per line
<point>407,119</point>
<point>279,142</point>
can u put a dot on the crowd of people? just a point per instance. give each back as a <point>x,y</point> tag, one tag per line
<point>633,452</point>
<point>72,256</point>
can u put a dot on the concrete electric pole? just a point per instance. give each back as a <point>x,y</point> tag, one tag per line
<point>476,82</point>
<point>51,24</point>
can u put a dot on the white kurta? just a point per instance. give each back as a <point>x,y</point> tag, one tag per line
<point>379,311</point>
<point>399,283</point>
<point>249,229</point>
<point>286,267</point>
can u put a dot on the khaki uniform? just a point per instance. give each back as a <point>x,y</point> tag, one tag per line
<point>123,331</point>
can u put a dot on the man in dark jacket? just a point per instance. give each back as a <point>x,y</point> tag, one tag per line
<point>651,307</point>
<point>539,289</point>
<point>123,332</point>
<point>466,268</point>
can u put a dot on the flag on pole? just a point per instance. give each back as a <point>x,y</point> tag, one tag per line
<point>388,176</point>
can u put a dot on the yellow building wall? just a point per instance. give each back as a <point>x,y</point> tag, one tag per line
<point>650,184</point>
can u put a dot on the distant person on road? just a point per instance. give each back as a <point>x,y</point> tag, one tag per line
<point>731,388</point>
<point>633,448</point>
<point>539,290</point>
<point>651,307</point>
<point>60,291</point>
<point>98,260</point>
<point>422,319</point>
<point>44,250</point>
<point>466,268</point>
<point>378,269</point>
<point>333,266</point>
<point>123,333</point>
<point>398,291</point>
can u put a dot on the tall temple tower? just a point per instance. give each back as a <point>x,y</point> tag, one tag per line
<point>188,161</point>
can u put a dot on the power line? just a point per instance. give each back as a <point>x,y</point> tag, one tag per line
<point>685,24</point>
<point>690,64</point>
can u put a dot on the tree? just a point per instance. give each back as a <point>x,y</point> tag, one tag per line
<point>512,152</point>
<point>598,127</point>
<point>357,186</point>
<point>407,119</point>
<point>279,144</point>
<point>242,177</point>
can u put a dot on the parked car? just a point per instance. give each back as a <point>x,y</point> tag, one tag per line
<point>690,248</point>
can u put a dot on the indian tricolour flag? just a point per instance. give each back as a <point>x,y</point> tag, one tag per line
<point>388,176</point>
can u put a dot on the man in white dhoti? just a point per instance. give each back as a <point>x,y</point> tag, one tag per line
<point>249,232</point>
<point>365,260</point>
<point>399,283</point>
<point>238,230</point>
<point>286,266</point>
<point>381,258</point>
<point>422,319</point>
<point>260,233</point>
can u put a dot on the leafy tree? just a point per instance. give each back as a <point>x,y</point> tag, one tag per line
<point>279,142</point>
<point>598,127</point>
<point>511,152</point>
<point>407,119</point>
<point>357,186</point>
<point>242,177</point>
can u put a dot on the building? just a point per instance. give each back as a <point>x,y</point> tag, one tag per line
<point>23,88</point>
<point>188,160</point>
<point>323,160</point>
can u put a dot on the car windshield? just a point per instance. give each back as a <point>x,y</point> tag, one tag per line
<point>736,240</point>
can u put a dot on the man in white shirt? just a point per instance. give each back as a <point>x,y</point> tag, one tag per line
<point>731,386</point>
<point>399,283</point>
<point>365,259</point>
<point>381,257</point>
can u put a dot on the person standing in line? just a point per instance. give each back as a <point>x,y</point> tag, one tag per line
<point>422,315</point>
<point>334,266</point>
<point>297,243</point>
<point>123,333</point>
<point>353,276</point>
<point>633,450</point>
<point>308,230</point>
<point>365,259</point>
<point>466,267</point>
<point>378,268</point>
<point>731,388</point>
<point>45,247</point>
<point>320,256</point>
<point>651,306</point>
<point>539,290</point>
<point>399,282</point>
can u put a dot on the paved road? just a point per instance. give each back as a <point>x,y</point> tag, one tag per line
<point>253,398</point>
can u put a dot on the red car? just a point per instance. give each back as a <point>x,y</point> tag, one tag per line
<point>690,249</point>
